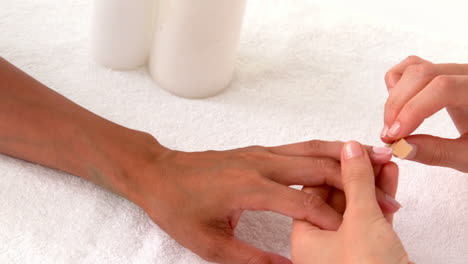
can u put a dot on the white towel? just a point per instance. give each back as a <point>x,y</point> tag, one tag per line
<point>307,70</point>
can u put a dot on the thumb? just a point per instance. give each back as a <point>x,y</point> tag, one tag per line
<point>358,178</point>
<point>437,151</point>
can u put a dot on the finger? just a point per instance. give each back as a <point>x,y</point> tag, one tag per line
<point>414,79</point>
<point>320,191</point>
<point>358,179</point>
<point>307,171</point>
<point>387,181</point>
<point>315,172</point>
<point>337,200</point>
<point>459,117</point>
<point>230,250</point>
<point>327,149</point>
<point>305,226</point>
<point>442,91</point>
<point>437,151</point>
<point>305,235</point>
<point>294,203</point>
<point>394,74</point>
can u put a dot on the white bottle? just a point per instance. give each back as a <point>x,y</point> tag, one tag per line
<point>122,32</point>
<point>195,45</point>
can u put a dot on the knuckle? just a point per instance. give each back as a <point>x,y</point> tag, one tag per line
<point>254,154</point>
<point>413,59</point>
<point>252,195</point>
<point>443,82</point>
<point>244,177</point>
<point>254,148</point>
<point>410,111</point>
<point>424,70</point>
<point>326,163</point>
<point>314,145</point>
<point>331,170</point>
<point>392,108</point>
<point>439,154</point>
<point>388,76</point>
<point>312,201</point>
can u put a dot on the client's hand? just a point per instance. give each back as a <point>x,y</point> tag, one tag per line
<point>366,234</point>
<point>195,197</point>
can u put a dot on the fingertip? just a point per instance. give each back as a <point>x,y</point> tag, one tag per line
<point>391,79</point>
<point>391,168</point>
<point>380,155</point>
<point>352,149</point>
<point>387,140</point>
<point>388,179</point>
<point>358,177</point>
<point>387,182</point>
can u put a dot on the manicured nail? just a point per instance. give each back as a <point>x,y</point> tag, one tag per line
<point>395,129</point>
<point>392,201</point>
<point>352,149</point>
<point>413,152</point>
<point>381,151</point>
<point>384,131</point>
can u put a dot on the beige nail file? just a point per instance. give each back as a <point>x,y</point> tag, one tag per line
<point>401,148</point>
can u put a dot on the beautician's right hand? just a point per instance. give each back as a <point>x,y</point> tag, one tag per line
<point>418,89</point>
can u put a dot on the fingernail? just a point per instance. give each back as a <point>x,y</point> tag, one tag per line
<point>394,130</point>
<point>413,152</point>
<point>352,149</point>
<point>392,201</point>
<point>384,131</point>
<point>381,151</point>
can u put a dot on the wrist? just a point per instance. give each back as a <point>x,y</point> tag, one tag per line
<point>116,155</point>
<point>133,156</point>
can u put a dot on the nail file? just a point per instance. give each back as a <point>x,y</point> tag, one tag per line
<point>401,148</point>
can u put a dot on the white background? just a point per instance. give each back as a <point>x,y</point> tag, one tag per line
<point>306,70</point>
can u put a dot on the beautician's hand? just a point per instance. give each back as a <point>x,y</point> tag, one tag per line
<point>197,198</point>
<point>419,89</point>
<point>366,234</point>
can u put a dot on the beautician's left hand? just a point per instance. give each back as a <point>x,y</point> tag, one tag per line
<point>418,89</point>
<point>366,234</point>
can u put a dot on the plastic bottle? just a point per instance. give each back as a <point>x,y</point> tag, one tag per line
<point>195,45</point>
<point>122,32</point>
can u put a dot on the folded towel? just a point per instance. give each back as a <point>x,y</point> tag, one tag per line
<point>306,70</point>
